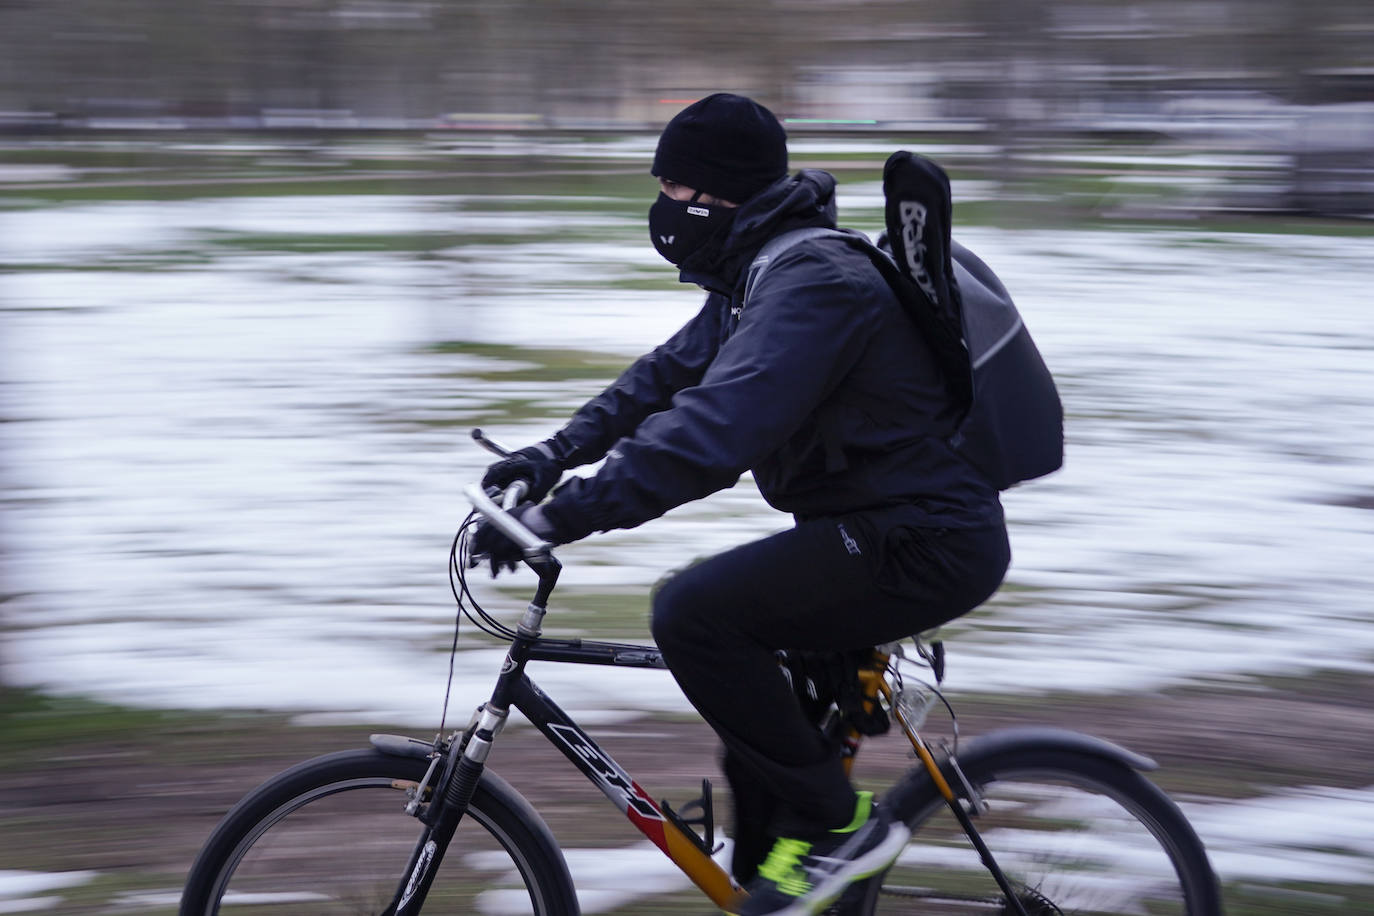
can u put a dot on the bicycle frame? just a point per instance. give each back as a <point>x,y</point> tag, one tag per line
<point>515,689</point>
<point>455,785</point>
<point>617,785</point>
<point>602,770</point>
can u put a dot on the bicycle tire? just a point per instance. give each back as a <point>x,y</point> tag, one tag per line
<point>1138,853</point>
<point>330,836</point>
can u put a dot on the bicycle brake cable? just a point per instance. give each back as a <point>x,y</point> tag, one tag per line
<point>895,672</point>
<point>459,561</point>
<point>453,559</point>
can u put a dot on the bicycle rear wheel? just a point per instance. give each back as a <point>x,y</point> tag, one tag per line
<point>1075,833</point>
<point>330,837</point>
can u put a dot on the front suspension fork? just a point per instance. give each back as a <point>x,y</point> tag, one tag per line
<point>451,799</point>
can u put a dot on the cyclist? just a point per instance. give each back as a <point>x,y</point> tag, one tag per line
<point>824,389</point>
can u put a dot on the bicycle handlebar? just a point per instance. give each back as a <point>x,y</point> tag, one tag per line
<point>490,445</point>
<point>514,493</point>
<point>506,523</point>
<point>538,552</point>
<point>510,498</point>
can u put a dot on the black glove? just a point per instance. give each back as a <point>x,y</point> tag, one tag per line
<point>534,465</point>
<point>489,543</point>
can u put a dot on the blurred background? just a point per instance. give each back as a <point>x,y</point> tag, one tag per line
<point>1287,83</point>
<point>265,263</point>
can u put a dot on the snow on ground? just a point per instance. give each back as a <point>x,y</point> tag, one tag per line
<point>18,889</point>
<point>1312,834</point>
<point>231,475</point>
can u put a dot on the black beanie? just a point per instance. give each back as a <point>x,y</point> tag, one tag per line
<point>726,145</point>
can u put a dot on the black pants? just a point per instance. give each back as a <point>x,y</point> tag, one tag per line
<point>846,582</point>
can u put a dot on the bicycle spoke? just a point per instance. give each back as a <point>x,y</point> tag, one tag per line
<point>1067,848</point>
<point>343,854</point>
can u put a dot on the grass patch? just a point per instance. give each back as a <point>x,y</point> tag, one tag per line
<point>58,731</point>
<point>495,412</point>
<point>618,615</point>
<point>1287,899</point>
<point>111,889</point>
<point>1260,224</point>
<point>342,242</point>
<point>31,721</point>
<point>170,260</point>
<point>604,616</point>
<point>627,201</point>
<point>648,281</point>
<point>1062,193</point>
<point>539,364</point>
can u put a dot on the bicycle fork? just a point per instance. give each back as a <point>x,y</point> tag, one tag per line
<point>876,684</point>
<point>454,791</point>
<point>451,798</point>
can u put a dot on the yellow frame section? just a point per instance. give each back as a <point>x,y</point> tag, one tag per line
<point>715,881</point>
<point>703,871</point>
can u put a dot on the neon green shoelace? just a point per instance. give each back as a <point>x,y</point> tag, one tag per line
<point>783,866</point>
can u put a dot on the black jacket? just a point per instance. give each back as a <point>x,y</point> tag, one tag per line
<point>822,387</point>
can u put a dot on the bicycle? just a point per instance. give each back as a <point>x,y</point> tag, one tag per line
<point>993,822</point>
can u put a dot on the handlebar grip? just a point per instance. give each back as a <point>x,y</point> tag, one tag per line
<point>506,523</point>
<point>490,445</point>
<point>514,493</point>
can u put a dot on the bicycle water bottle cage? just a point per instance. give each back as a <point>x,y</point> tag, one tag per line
<point>698,812</point>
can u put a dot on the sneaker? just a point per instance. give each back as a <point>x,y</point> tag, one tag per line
<point>805,876</point>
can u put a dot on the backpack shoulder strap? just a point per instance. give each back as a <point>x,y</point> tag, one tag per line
<point>945,339</point>
<point>774,248</point>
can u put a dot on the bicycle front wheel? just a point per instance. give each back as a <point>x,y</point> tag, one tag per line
<point>1075,833</point>
<point>331,837</point>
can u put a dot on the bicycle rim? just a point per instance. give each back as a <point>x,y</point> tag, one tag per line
<point>1074,835</point>
<point>338,845</point>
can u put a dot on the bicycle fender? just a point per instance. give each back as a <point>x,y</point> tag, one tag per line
<point>916,789</point>
<point>401,746</point>
<point>1020,737</point>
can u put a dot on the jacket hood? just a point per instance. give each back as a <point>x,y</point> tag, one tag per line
<point>795,202</point>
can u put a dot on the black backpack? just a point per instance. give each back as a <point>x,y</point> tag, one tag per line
<point>1013,424</point>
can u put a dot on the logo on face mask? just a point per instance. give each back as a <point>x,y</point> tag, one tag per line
<point>699,211</point>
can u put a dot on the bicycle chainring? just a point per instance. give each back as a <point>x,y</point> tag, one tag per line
<point>1034,903</point>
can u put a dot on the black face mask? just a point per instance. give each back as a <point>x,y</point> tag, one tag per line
<point>679,228</point>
